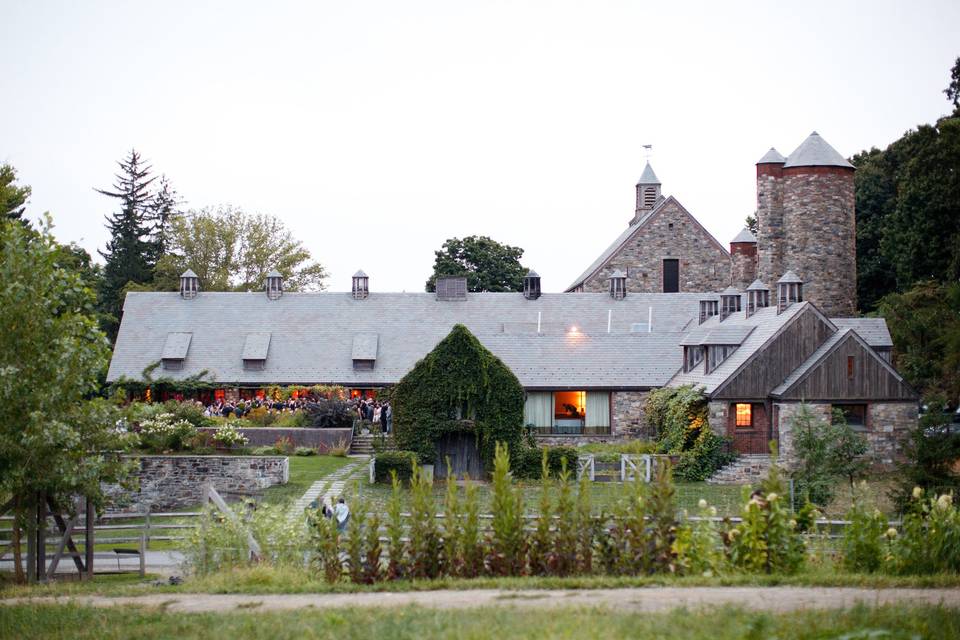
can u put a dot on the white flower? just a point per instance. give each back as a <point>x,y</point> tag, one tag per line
<point>891,533</point>
<point>944,501</point>
<point>702,504</point>
<point>917,492</point>
<point>772,496</point>
<point>713,511</point>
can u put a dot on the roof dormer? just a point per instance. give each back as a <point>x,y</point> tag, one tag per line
<point>789,290</point>
<point>189,285</point>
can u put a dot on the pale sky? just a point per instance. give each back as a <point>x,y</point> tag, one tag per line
<point>377,130</point>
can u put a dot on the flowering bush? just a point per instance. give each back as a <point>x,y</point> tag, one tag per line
<point>864,541</point>
<point>165,433</point>
<point>227,435</point>
<point>929,541</point>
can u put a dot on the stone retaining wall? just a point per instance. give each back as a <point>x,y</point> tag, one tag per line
<point>174,482</point>
<point>322,439</point>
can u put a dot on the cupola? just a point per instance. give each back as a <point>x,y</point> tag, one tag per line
<point>648,193</point>
<point>189,285</point>
<point>618,285</point>
<point>789,290</point>
<point>531,285</point>
<point>361,285</point>
<point>758,297</point>
<point>729,303</point>
<point>274,285</point>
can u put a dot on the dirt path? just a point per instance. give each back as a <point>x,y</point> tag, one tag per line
<point>639,600</point>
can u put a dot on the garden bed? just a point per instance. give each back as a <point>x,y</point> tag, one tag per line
<point>314,438</point>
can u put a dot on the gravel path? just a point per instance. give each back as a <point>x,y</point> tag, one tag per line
<point>629,600</point>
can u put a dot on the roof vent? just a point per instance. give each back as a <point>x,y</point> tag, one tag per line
<point>729,303</point>
<point>274,285</point>
<point>618,285</point>
<point>175,350</point>
<point>789,290</point>
<point>452,288</point>
<point>531,285</point>
<point>361,285</point>
<point>758,297</point>
<point>255,350</point>
<point>189,285</point>
<point>364,354</point>
<point>708,309</point>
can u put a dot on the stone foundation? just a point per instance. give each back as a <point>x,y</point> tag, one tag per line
<point>174,482</point>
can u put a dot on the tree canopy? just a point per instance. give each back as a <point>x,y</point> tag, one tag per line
<point>487,264</point>
<point>52,353</point>
<point>231,250</point>
<point>13,197</point>
<point>459,386</point>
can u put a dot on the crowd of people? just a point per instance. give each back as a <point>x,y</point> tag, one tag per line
<point>375,411</point>
<point>365,409</point>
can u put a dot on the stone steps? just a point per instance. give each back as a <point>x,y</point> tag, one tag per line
<point>363,445</point>
<point>746,469</point>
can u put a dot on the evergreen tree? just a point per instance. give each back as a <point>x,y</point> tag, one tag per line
<point>162,208</point>
<point>13,198</point>
<point>130,253</point>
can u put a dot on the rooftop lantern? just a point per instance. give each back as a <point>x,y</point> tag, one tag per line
<point>618,285</point>
<point>361,285</point>
<point>789,290</point>
<point>708,309</point>
<point>531,285</point>
<point>189,285</point>
<point>758,297</point>
<point>274,285</point>
<point>729,303</point>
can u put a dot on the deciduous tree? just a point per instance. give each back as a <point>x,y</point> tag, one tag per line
<point>13,198</point>
<point>487,264</point>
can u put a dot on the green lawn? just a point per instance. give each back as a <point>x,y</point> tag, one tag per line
<point>304,471</point>
<point>50,622</point>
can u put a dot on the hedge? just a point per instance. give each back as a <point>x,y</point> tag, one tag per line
<point>527,462</point>
<point>399,461</point>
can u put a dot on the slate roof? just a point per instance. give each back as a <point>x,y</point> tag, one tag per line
<point>628,234</point>
<point>873,330</point>
<point>772,157</point>
<point>176,345</point>
<point>745,235</point>
<point>313,335</point>
<point>765,323</point>
<point>256,346</point>
<point>816,152</point>
<point>648,176</point>
<point>365,346</point>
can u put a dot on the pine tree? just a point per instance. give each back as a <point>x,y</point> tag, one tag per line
<point>164,205</point>
<point>129,254</point>
<point>13,198</point>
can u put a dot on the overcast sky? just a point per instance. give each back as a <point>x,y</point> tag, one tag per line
<point>378,129</point>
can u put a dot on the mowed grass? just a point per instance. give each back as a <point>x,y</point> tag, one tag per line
<point>51,622</point>
<point>304,471</point>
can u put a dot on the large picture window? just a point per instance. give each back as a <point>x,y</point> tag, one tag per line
<point>568,412</point>
<point>854,414</point>
<point>744,415</point>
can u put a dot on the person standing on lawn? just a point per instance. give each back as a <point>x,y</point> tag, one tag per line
<point>341,514</point>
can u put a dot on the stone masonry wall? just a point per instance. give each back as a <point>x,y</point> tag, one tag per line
<point>820,236</point>
<point>743,264</point>
<point>887,423</point>
<point>704,266</point>
<point>770,223</point>
<point>628,420</point>
<point>717,417</point>
<point>172,482</point>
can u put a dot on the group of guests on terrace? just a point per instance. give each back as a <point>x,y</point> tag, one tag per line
<point>241,408</point>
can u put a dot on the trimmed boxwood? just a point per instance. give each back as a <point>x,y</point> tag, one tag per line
<point>459,387</point>
<point>399,461</point>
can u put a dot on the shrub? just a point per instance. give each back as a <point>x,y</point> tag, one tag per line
<point>165,433</point>
<point>696,548</point>
<point>390,463</point>
<point>397,567</point>
<point>284,446</point>
<point>328,413</point>
<point>453,515</point>
<point>863,543</point>
<point>292,420</point>
<point>326,543</point>
<point>542,542</point>
<point>680,417</point>
<point>471,544</point>
<point>263,451</point>
<point>767,540</point>
<point>424,548</point>
<point>261,417</point>
<point>526,464</point>
<point>611,451</point>
<point>709,453</point>
<point>929,541</point>
<point>929,453</point>
<point>227,436</point>
<point>508,539</point>
<point>305,451</point>
<point>340,449</point>
<point>564,561</point>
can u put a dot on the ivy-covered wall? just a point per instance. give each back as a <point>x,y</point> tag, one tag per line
<point>460,386</point>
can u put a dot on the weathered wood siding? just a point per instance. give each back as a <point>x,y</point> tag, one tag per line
<point>773,363</point>
<point>871,380</point>
<point>460,449</point>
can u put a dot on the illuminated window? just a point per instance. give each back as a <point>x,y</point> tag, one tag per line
<point>569,405</point>
<point>744,415</point>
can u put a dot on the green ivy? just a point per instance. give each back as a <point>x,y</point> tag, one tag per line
<point>459,387</point>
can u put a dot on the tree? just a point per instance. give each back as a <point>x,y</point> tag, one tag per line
<point>129,255</point>
<point>51,356</point>
<point>825,451</point>
<point>13,198</point>
<point>930,450</point>
<point>953,89</point>
<point>231,250</point>
<point>751,223</point>
<point>487,264</point>
<point>164,207</point>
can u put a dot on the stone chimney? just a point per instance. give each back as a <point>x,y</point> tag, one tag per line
<point>743,259</point>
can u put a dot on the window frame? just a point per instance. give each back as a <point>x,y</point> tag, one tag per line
<point>856,426</point>
<point>736,415</point>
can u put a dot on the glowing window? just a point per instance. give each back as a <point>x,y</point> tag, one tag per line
<point>569,405</point>
<point>744,415</point>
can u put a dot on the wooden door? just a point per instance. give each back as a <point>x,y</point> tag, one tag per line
<point>671,275</point>
<point>461,449</point>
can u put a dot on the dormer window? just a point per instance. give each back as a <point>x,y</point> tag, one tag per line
<point>618,285</point>
<point>729,303</point>
<point>758,297</point>
<point>531,285</point>
<point>175,350</point>
<point>189,285</point>
<point>789,290</point>
<point>692,357</point>
<point>708,309</point>
<point>274,285</point>
<point>717,354</point>
<point>255,350</point>
<point>365,346</point>
<point>361,285</point>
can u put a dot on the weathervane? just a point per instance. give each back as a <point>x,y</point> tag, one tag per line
<point>648,151</point>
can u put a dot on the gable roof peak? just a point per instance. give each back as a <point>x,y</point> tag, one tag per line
<point>648,176</point>
<point>772,157</point>
<point>745,235</point>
